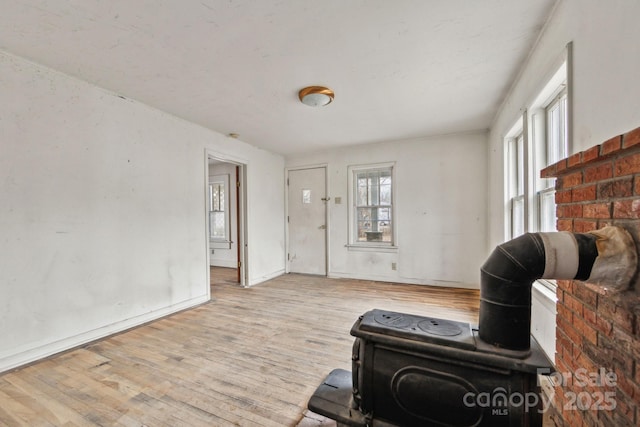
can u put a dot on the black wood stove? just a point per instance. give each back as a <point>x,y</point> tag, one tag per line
<point>419,371</point>
<point>410,370</point>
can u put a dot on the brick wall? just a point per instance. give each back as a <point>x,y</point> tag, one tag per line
<point>598,330</point>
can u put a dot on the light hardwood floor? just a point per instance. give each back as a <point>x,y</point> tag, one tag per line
<point>249,357</point>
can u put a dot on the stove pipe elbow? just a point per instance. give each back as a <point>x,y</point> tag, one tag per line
<point>507,276</point>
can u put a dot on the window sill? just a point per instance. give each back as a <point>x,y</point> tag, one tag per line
<point>544,295</point>
<point>372,248</point>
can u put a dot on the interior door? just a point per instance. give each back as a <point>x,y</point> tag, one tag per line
<point>307,220</point>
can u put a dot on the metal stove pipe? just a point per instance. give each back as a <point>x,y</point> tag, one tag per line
<point>507,276</point>
<point>606,257</point>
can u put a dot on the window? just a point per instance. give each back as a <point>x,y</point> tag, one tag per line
<point>554,149</point>
<point>371,202</point>
<point>515,183</point>
<point>219,208</point>
<point>540,138</point>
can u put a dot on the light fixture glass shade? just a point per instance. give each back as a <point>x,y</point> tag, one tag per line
<point>316,96</point>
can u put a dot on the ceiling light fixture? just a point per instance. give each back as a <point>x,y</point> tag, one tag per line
<point>316,96</point>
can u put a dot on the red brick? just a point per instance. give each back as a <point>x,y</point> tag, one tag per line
<point>563,196</point>
<point>591,154</point>
<point>573,304</point>
<point>564,225</point>
<point>611,145</point>
<point>570,180</point>
<point>583,194</point>
<point>598,172</point>
<point>622,187</point>
<point>636,350</point>
<point>565,285</point>
<point>636,185</point>
<point>587,331</point>
<point>549,171</point>
<point>604,326</point>
<point>628,165</point>
<point>631,138</point>
<point>561,165</point>
<point>569,211</point>
<point>586,363</point>
<point>623,415</point>
<point>585,295</point>
<point>574,159</point>
<point>626,385</point>
<point>563,311</point>
<point>598,289</point>
<point>619,354</point>
<point>573,335</point>
<point>626,209</point>
<point>620,317</point>
<point>589,315</point>
<point>597,210</point>
<point>583,226</point>
<point>565,342</point>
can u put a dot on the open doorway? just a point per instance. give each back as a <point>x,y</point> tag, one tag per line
<point>226,236</point>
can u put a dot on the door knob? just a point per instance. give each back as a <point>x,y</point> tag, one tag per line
<point>323,227</point>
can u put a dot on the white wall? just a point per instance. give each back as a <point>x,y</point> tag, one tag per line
<point>606,100</point>
<point>103,212</point>
<point>440,210</point>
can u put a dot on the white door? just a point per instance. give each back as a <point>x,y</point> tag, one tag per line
<point>307,221</point>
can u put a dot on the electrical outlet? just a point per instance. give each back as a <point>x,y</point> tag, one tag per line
<point>394,266</point>
<point>338,200</point>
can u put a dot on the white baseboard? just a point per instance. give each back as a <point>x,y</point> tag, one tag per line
<point>227,263</point>
<point>29,355</point>
<point>266,277</point>
<point>409,281</point>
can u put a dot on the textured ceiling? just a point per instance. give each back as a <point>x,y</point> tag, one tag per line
<point>400,68</point>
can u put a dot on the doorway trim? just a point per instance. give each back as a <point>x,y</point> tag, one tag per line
<point>327,240</point>
<point>243,236</point>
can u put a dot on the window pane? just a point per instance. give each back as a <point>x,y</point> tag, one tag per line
<point>520,165</point>
<point>557,130</point>
<point>385,192</point>
<point>547,211</point>
<point>364,214</point>
<point>385,228</point>
<point>517,216</point>
<point>221,197</point>
<point>217,229</point>
<point>363,190</point>
<point>374,192</point>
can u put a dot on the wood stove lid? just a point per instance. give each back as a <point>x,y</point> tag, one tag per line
<point>449,333</point>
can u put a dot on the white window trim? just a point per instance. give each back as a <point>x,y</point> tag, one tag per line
<point>353,244</point>
<point>517,130</point>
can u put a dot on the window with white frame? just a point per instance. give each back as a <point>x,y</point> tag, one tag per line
<point>219,208</point>
<point>371,205</point>
<point>539,139</point>
<point>553,148</point>
<point>515,182</point>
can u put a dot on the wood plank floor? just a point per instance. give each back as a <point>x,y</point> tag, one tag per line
<point>249,357</point>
